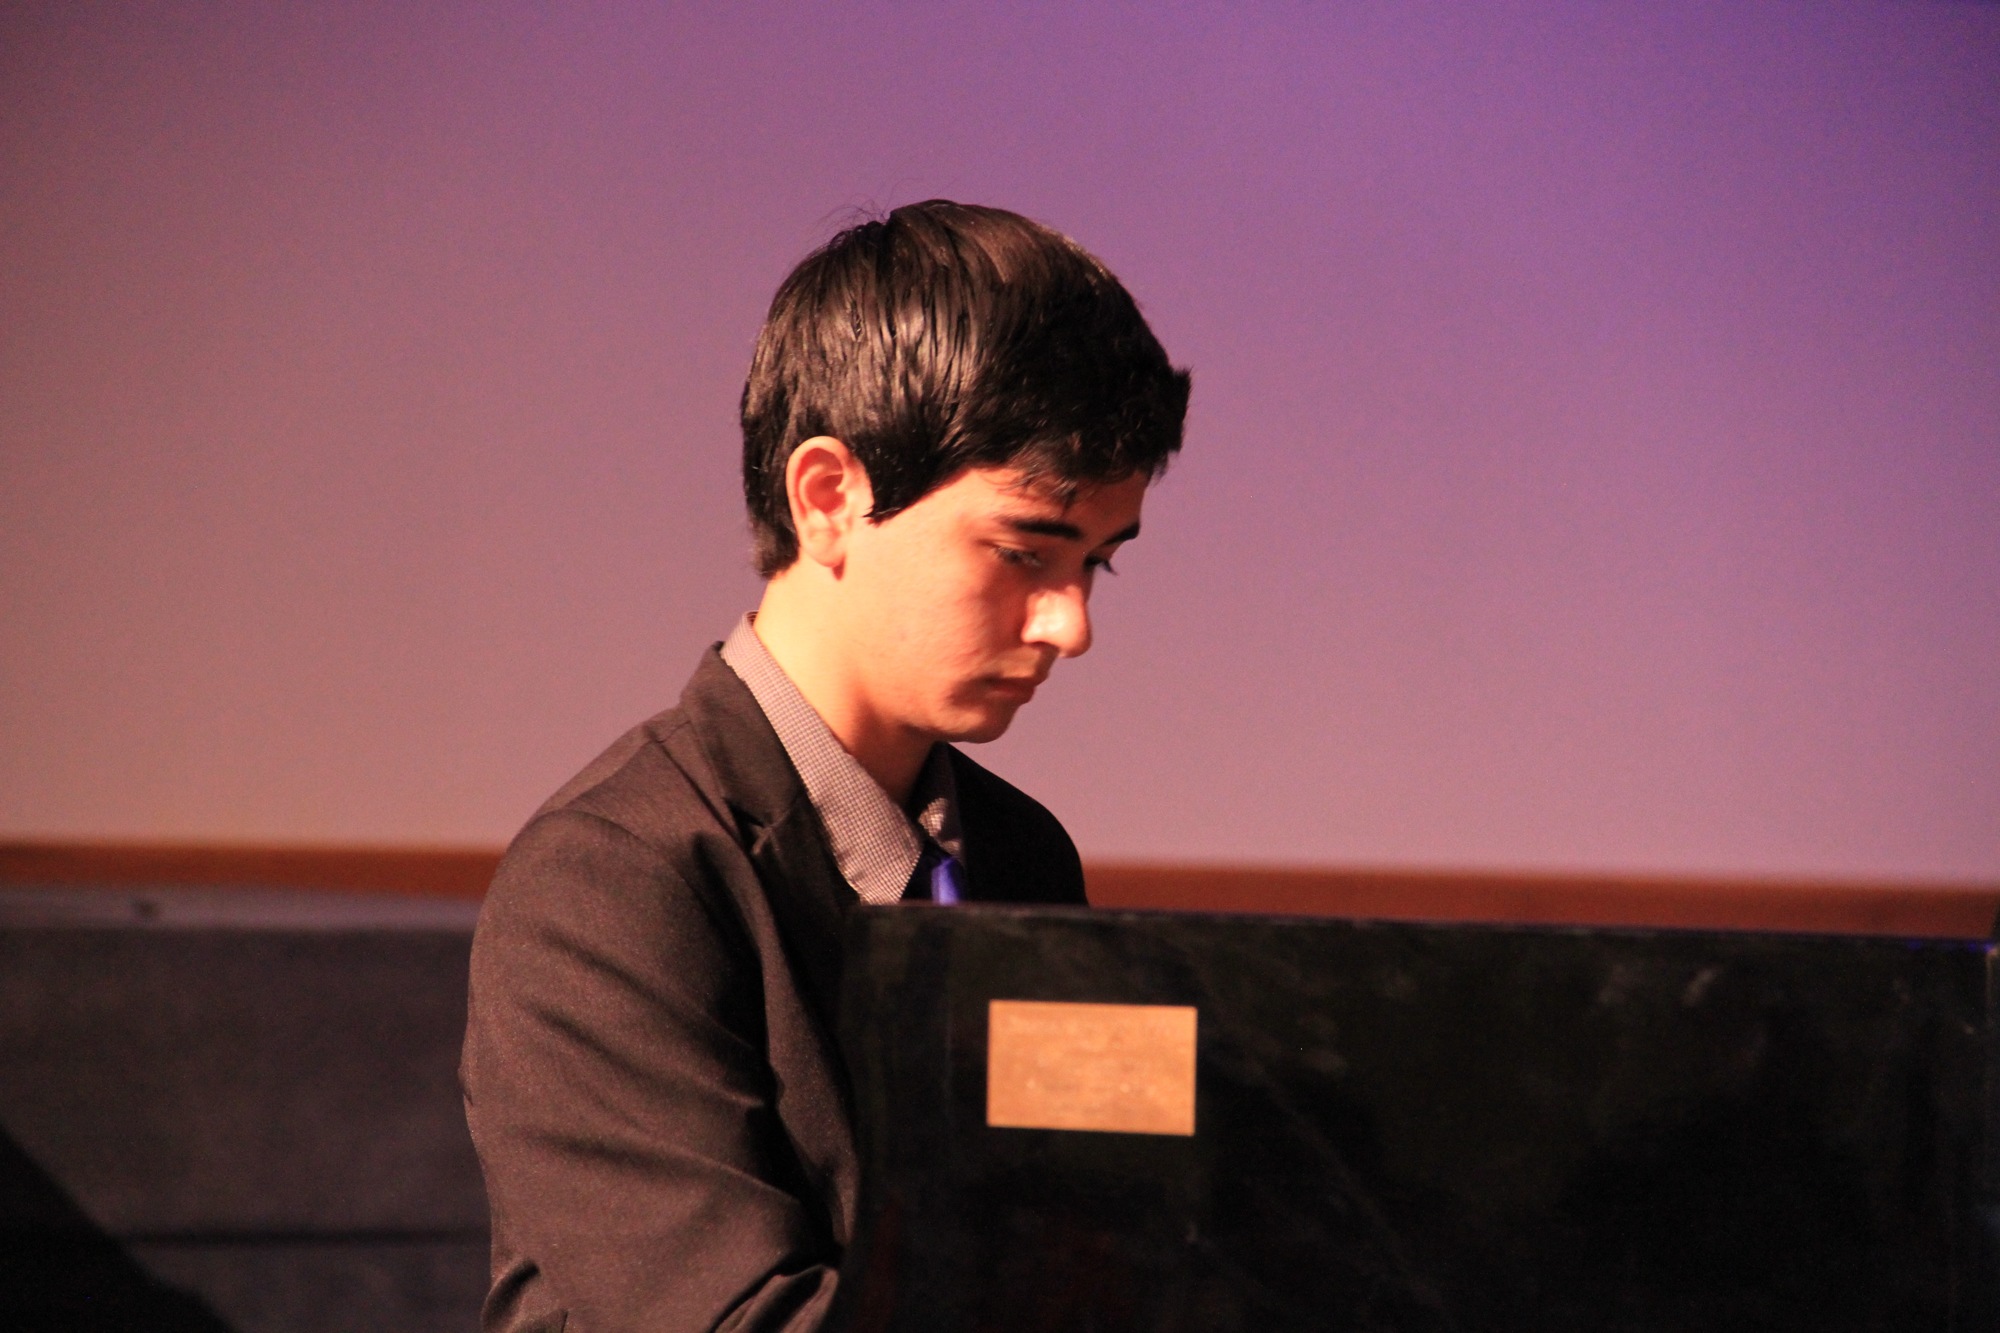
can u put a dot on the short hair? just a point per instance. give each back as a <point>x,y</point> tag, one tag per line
<point>948,336</point>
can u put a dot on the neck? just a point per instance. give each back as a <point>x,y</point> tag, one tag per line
<point>809,646</point>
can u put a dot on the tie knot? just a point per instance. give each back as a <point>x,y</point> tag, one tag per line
<point>937,878</point>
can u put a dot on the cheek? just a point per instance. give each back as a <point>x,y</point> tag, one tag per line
<point>986,601</point>
<point>969,625</point>
<point>938,605</point>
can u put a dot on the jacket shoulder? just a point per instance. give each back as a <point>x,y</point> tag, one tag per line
<point>711,761</point>
<point>640,782</point>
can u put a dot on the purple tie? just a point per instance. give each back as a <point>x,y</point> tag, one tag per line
<point>938,876</point>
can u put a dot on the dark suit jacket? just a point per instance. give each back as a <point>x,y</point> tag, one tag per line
<point>650,1068</point>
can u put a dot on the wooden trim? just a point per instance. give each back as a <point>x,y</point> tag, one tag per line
<point>1947,911</point>
<point>447,872</point>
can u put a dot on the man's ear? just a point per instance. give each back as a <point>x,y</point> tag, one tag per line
<point>830,497</point>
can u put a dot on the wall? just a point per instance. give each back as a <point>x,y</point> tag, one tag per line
<point>1595,460</point>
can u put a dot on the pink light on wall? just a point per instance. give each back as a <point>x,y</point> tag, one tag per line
<point>1595,460</point>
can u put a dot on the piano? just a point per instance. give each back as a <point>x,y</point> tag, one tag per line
<point>1082,1120</point>
<point>227,1111</point>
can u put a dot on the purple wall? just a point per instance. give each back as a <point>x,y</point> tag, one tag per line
<point>1595,460</point>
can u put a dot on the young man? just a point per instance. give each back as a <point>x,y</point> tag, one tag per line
<point>950,423</point>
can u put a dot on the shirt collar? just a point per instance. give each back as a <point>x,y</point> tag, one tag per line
<point>875,843</point>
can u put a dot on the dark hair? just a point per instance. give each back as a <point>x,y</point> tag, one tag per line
<point>948,336</point>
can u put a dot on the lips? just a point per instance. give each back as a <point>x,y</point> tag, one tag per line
<point>1016,687</point>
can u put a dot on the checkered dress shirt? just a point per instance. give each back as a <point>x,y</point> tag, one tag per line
<point>875,843</point>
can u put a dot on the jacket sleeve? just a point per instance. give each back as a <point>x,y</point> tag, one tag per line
<point>620,1098</point>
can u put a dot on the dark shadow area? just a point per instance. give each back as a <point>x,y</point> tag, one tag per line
<point>235,1110</point>
<point>59,1271</point>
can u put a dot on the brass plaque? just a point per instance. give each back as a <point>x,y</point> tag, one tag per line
<point>1124,1068</point>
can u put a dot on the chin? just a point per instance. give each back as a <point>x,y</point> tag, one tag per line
<point>977,725</point>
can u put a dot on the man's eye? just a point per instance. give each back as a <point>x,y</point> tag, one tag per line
<point>1102,562</point>
<point>1014,555</point>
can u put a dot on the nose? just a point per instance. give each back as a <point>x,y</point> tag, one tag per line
<point>1060,617</point>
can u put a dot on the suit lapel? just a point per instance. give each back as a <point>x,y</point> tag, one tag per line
<point>779,828</point>
<point>809,900</point>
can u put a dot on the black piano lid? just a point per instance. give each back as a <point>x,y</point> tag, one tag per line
<point>1417,1127</point>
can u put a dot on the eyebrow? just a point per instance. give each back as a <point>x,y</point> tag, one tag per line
<point>1055,527</point>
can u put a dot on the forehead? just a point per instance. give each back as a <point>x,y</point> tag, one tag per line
<point>1010,492</point>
